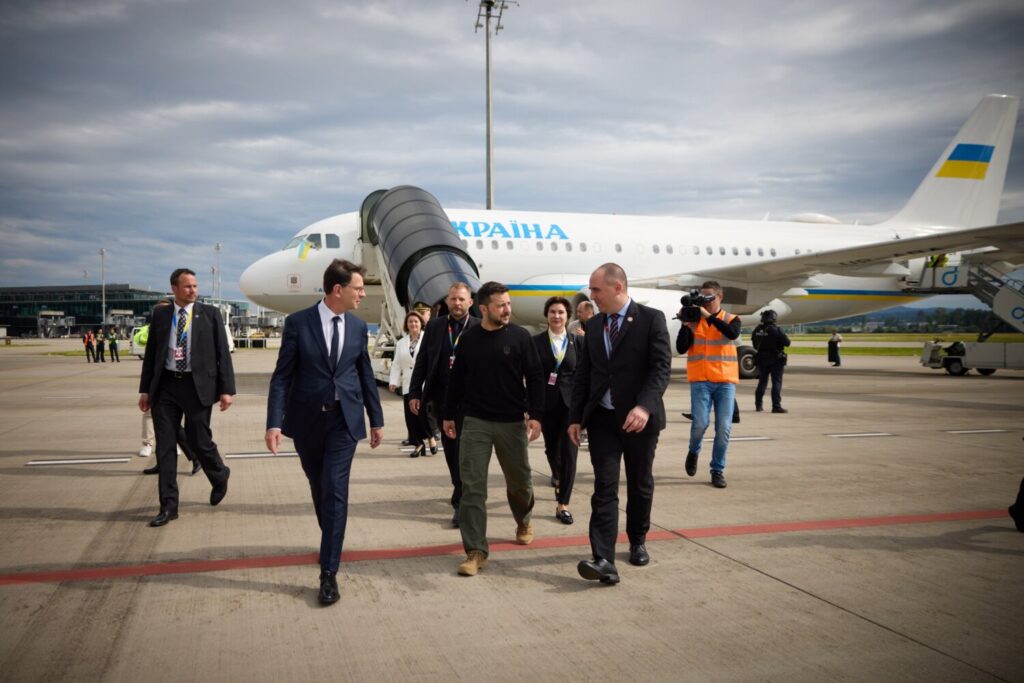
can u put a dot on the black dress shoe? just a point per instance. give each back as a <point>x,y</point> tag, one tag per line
<point>759,408</point>
<point>1018,516</point>
<point>779,409</point>
<point>638,555</point>
<point>718,480</point>
<point>196,466</point>
<point>564,516</point>
<point>328,588</point>
<point>455,518</point>
<point>406,442</point>
<point>220,490</point>
<point>688,416</point>
<point>164,517</point>
<point>598,570</point>
<point>417,452</point>
<point>155,469</point>
<point>691,463</point>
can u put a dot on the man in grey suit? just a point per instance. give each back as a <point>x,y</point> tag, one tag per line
<point>322,384</point>
<point>187,368</point>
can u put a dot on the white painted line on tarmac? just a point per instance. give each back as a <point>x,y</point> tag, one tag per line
<point>281,454</point>
<point>82,461</point>
<point>854,436</point>
<point>976,431</point>
<point>68,397</point>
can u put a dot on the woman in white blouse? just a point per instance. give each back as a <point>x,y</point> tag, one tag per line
<point>401,376</point>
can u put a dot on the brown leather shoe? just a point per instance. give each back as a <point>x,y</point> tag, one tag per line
<point>475,561</point>
<point>524,534</point>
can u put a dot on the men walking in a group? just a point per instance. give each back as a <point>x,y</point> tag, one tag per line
<point>321,386</point>
<point>496,379</point>
<point>429,381</point>
<point>621,374</point>
<point>186,369</point>
<point>713,372</point>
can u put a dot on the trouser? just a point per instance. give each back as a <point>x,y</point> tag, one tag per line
<point>326,451</point>
<point>451,452</point>
<point>704,395</point>
<point>100,353</point>
<point>774,370</point>
<point>90,353</point>
<point>114,357</point>
<point>559,449</point>
<point>175,399</point>
<point>415,424</point>
<point>149,438</point>
<point>610,445</point>
<point>509,442</point>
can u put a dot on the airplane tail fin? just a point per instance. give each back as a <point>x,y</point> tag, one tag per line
<point>965,186</point>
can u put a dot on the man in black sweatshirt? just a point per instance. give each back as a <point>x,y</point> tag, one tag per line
<point>495,382</point>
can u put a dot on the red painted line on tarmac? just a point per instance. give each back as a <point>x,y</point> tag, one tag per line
<point>198,566</point>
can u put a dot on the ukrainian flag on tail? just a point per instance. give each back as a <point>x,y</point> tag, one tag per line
<point>967,161</point>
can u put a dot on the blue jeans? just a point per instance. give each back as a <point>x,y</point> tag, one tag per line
<point>722,395</point>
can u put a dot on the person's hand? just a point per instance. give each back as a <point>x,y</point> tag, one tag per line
<point>144,402</point>
<point>636,420</point>
<point>704,313</point>
<point>225,401</point>
<point>414,406</point>
<point>273,440</point>
<point>532,430</point>
<point>579,331</point>
<point>448,426</point>
<point>376,436</point>
<point>574,434</point>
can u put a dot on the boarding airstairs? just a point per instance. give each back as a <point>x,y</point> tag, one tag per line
<point>413,252</point>
<point>988,283</point>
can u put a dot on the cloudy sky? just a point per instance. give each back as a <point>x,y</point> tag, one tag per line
<point>155,128</point>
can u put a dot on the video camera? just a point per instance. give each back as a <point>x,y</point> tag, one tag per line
<point>692,302</point>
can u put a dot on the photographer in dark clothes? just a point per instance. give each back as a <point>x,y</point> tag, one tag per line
<point>770,342</point>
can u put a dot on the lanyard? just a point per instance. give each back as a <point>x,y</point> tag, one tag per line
<point>455,342</point>
<point>188,324</point>
<point>559,354</point>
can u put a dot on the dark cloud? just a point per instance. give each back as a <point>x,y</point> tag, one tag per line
<point>155,129</point>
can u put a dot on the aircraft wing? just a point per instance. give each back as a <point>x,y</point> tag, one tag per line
<point>1002,242</point>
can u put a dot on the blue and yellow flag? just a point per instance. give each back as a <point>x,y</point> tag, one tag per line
<point>303,250</point>
<point>967,161</point>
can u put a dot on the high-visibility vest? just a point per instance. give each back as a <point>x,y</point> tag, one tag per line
<point>712,357</point>
<point>142,336</point>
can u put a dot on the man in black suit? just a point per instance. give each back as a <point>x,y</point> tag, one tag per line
<point>430,376</point>
<point>621,374</point>
<point>186,369</point>
<point>321,385</point>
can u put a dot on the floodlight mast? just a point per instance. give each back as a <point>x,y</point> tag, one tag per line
<point>490,10</point>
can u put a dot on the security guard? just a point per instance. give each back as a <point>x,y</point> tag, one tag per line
<point>770,342</point>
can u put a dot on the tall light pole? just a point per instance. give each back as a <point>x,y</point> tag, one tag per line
<point>217,248</point>
<point>103,286</point>
<point>490,9</point>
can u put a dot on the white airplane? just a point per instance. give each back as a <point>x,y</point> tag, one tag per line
<point>807,269</point>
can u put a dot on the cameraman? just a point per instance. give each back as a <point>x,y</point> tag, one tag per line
<point>713,372</point>
<point>770,342</point>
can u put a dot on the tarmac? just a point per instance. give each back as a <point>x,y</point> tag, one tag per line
<point>863,536</point>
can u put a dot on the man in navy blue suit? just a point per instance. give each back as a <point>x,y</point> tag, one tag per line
<point>318,392</point>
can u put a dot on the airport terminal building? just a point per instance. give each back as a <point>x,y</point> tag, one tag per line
<point>63,310</point>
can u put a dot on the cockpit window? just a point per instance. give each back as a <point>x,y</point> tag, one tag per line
<point>292,243</point>
<point>314,240</point>
<point>332,241</point>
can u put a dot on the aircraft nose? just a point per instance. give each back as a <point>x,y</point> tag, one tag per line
<point>255,280</point>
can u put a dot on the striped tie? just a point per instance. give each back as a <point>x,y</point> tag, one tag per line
<point>182,361</point>
<point>613,327</point>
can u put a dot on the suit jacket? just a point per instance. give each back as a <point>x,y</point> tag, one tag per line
<point>303,382</point>
<point>404,362</point>
<point>562,391</point>
<point>430,375</point>
<point>212,371</point>
<point>637,372</point>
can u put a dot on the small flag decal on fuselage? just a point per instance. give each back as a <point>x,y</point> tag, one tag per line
<point>304,249</point>
<point>967,161</point>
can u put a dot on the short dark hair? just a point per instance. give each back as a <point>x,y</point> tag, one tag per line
<point>555,301</point>
<point>340,272</point>
<point>712,284</point>
<point>411,314</point>
<point>460,285</point>
<point>613,272</point>
<point>587,304</point>
<point>178,273</point>
<point>487,290</point>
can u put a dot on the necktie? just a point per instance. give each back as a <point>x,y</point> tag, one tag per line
<point>334,343</point>
<point>181,362</point>
<point>613,327</point>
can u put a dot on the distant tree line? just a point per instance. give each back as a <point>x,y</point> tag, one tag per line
<point>905,319</point>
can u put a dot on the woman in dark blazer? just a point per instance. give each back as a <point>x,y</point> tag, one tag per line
<point>557,349</point>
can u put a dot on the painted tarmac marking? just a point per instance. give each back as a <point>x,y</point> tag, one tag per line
<point>858,435</point>
<point>741,438</point>
<point>281,454</point>
<point>196,566</point>
<point>976,431</point>
<point>80,461</point>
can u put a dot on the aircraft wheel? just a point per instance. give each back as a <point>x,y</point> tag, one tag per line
<point>748,362</point>
<point>955,366</point>
<point>986,371</point>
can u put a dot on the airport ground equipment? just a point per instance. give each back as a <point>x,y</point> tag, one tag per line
<point>410,248</point>
<point>960,357</point>
<point>989,282</point>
